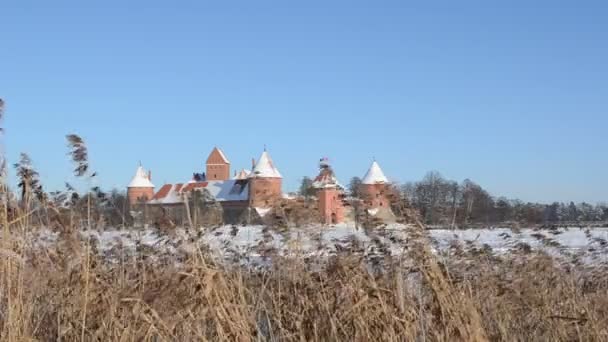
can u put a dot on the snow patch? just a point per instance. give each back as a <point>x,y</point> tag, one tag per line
<point>263,211</point>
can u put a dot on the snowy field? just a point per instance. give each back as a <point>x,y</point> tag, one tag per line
<point>254,244</point>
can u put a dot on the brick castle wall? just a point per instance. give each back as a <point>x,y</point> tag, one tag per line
<point>330,205</point>
<point>218,171</point>
<point>135,195</point>
<point>374,195</point>
<point>264,192</point>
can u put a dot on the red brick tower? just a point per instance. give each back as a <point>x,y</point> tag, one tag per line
<point>374,188</point>
<point>218,166</point>
<point>141,187</point>
<point>265,183</point>
<point>329,194</point>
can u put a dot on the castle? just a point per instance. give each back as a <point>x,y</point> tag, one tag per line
<point>259,188</point>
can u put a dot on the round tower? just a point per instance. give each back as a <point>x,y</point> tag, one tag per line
<point>141,187</point>
<point>265,183</point>
<point>374,188</point>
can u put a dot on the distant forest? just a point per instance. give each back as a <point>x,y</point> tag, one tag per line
<point>445,202</point>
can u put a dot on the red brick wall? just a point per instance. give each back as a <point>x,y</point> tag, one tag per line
<point>330,206</point>
<point>136,194</point>
<point>264,192</point>
<point>217,167</point>
<point>375,195</point>
<point>218,171</point>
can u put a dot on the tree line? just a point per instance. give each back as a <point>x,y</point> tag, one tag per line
<point>445,202</point>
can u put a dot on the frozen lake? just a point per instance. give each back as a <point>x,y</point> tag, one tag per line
<point>238,243</point>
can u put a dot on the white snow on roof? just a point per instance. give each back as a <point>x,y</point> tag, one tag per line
<point>327,181</point>
<point>224,190</point>
<point>326,185</point>
<point>374,175</point>
<point>140,180</point>
<point>223,155</point>
<point>228,190</point>
<point>265,168</point>
<point>243,174</point>
<point>173,197</point>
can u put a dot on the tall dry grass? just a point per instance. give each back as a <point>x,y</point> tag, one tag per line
<point>71,291</point>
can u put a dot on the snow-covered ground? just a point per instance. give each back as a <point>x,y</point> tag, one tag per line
<point>247,244</point>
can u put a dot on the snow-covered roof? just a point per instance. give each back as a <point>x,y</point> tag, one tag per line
<point>265,168</point>
<point>141,179</point>
<point>228,190</point>
<point>168,194</point>
<point>374,175</point>
<point>223,155</point>
<point>243,174</point>
<point>224,190</point>
<point>326,179</point>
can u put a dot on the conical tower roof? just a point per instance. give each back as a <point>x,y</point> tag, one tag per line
<point>265,168</point>
<point>141,180</point>
<point>374,175</point>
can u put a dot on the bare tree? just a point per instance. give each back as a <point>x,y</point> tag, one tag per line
<point>354,186</point>
<point>306,188</point>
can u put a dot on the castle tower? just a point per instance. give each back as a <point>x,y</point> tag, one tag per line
<point>218,166</point>
<point>141,187</point>
<point>374,188</point>
<point>329,194</point>
<point>265,183</point>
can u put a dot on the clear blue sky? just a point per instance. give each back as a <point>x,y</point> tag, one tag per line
<point>512,95</point>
